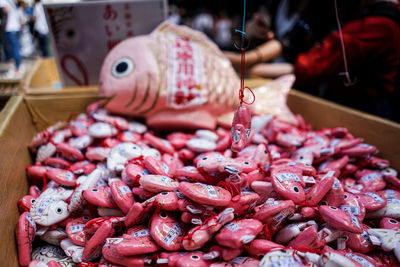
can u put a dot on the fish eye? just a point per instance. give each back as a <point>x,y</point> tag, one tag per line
<point>33,201</point>
<point>163,215</point>
<point>301,157</point>
<point>205,158</point>
<point>59,210</point>
<point>164,193</point>
<point>358,197</point>
<point>246,162</point>
<point>296,189</point>
<point>95,190</point>
<point>195,257</point>
<point>393,221</point>
<point>265,152</point>
<point>122,67</point>
<point>345,196</point>
<point>333,208</point>
<point>345,237</point>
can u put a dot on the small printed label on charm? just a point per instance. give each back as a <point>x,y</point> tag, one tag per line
<point>239,260</point>
<point>165,168</point>
<point>189,168</point>
<point>280,217</point>
<point>219,157</point>
<point>144,232</point>
<point>115,240</point>
<point>248,132</point>
<point>336,184</point>
<point>172,234</point>
<point>232,226</point>
<point>211,192</point>
<point>365,236</point>
<point>124,189</point>
<point>76,228</point>
<point>44,205</point>
<point>375,197</point>
<point>360,260</point>
<point>309,179</point>
<point>271,202</point>
<point>287,176</point>
<point>236,136</point>
<point>390,193</point>
<point>69,176</point>
<point>352,210</point>
<point>371,176</point>
<point>355,221</point>
<point>393,200</point>
<point>165,179</point>
<point>31,221</point>
<point>286,261</point>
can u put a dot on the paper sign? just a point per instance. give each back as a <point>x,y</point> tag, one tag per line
<point>82,33</point>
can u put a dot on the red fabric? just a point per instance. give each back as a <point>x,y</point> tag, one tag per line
<point>373,52</point>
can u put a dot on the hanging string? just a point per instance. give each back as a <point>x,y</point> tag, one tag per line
<point>346,74</point>
<point>243,60</point>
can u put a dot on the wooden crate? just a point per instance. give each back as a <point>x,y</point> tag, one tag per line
<point>43,79</point>
<point>23,116</point>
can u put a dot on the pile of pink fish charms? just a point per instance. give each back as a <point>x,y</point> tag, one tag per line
<point>115,194</point>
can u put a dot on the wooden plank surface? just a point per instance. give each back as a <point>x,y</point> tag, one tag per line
<point>16,130</point>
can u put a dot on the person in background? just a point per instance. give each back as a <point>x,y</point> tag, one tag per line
<point>372,46</point>
<point>13,27</point>
<point>41,28</point>
<point>204,22</point>
<point>7,54</point>
<point>223,31</point>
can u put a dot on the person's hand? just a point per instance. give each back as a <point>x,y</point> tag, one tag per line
<point>259,27</point>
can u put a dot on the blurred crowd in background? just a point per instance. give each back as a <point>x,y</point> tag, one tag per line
<point>23,34</point>
<point>358,68</point>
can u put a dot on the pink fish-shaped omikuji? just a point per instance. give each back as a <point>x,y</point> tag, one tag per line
<point>241,128</point>
<point>239,232</point>
<point>57,163</point>
<point>82,167</point>
<point>336,164</point>
<point>335,195</point>
<point>61,177</point>
<point>138,212</point>
<point>25,234</point>
<point>96,242</point>
<point>100,197</point>
<point>359,242</point>
<point>178,139</point>
<point>75,230</point>
<point>306,239</point>
<point>287,183</point>
<point>155,166</point>
<point>198,236</point>
<point>69,152</point>
<point>190,173</point>
<point>192,259</point>
<point>319,190</point>
<point>79,127</point>
<point>132,173</point>
<point>340,219</point>
<point>109,253</point>
<point>389,223</point>
<point>259,247</point>
<point>37,172</point>
<point>121,194</point>
<point>137,241</point>
<point>205,194</point>
<point>166,231</point>
<point>390,176</point>
<point>225,253</point>
<point>243,203</point>
<point>351,205</point>
<point>128,136</point>
<point>158,183</point>
<point>371,201</point>
<point>167,201</point>
<point>360,150</point>
<point>371,180</point>
<point>25,203</point>
<point>272,208</point>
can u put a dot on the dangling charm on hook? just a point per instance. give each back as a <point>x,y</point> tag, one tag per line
<point>241,128</point>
